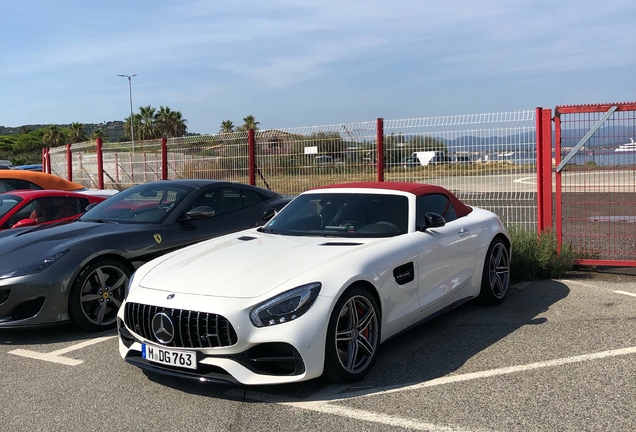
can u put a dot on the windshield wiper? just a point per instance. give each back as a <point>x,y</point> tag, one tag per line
<point>99,221</point>
<point>267,230</point>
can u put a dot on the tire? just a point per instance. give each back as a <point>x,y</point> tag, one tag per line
<point>97,294</point>
<point>495,278</point>
<point>351,350</point>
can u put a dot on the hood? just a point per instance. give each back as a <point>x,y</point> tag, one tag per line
<point>21,246</point>
<point>246,265</point>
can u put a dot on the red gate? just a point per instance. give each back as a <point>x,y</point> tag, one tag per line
<point>595,163</point>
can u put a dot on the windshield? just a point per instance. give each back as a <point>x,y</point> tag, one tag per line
<point>7,202</point>
<point>147,204</point>
<point>342,215</point>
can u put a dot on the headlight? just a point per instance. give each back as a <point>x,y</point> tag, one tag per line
<point>286,306</point>
<point>130,282</point>
<point>34,268</point>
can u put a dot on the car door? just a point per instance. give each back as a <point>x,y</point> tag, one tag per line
<point>229,216</point>
<point>446,255</point>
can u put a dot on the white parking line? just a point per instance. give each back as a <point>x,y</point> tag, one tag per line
<point>497,372</point>
<point>373,417</point>
<point>323,401</point>
<point>585,284</point>
<point>55,356</point>
<point>625,293</point>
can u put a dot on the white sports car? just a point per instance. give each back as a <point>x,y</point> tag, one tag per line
<point>316,290</point>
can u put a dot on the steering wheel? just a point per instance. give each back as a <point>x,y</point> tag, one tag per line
<point>393,226</point>
<point>354,223</point>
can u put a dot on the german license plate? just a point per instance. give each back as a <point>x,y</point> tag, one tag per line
<point>169,357</point>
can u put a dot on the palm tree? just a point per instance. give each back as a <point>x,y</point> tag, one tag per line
<point>52,136</point>
<point>76,133</point>
<point>147,123</point>
<point>164,121</point>
<point>99,133</point>
<point>250,122</point>
<point>180,128</point>
<point>227,126</point>
<point>136,125</point>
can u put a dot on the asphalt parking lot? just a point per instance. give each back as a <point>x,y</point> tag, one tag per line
<point>556,356</point>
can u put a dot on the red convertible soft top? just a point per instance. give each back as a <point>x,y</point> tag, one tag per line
<point>417,189</point>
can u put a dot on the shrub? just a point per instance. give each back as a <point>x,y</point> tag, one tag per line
<point>534,256</point>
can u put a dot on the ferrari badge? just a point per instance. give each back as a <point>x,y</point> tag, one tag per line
<point>157,238</point>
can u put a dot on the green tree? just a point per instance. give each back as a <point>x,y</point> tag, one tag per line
<point>227,126</point>
<point>52,136</point>
<point>99,133</point>
<point>76,133</point>
<point>394,140</point>
<point>7,143</point>
<point>146,123</point>
<point>165,122</point>
<point>180,127</point>
<point>249,122</point>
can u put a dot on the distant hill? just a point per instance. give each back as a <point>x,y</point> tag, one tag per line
<point>114,129</point>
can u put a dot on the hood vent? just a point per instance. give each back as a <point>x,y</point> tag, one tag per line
<point>246,238</point>
<point>340,244</point>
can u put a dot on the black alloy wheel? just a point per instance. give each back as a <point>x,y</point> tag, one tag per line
<point>495,279</point>
<point>97,294</point>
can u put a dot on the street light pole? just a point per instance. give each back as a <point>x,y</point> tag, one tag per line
<point>132,123</point>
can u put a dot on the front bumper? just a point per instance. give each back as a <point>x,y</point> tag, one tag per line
<point>32,300</point>
<point>283,353</point>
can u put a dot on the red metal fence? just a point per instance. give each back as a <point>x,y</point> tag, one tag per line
<point>595,165</point>
<point>580,184</point>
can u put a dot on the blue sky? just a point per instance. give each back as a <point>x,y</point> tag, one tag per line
<point>310,62</point>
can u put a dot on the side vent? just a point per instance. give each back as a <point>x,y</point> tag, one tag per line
<point>404,274</point>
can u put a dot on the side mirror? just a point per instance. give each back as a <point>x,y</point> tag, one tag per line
<point>201,212</point>
<point>432,220</point>
<point>269,213</point>
<point>25,223</point>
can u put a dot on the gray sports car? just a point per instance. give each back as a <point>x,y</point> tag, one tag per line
<point>79,270</point>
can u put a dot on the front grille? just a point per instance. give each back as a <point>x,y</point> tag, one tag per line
<point>191,329</point>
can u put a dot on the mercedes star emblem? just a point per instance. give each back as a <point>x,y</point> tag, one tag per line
<point>163,328</point>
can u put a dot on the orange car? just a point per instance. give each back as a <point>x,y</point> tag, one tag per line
<point>19,179</point>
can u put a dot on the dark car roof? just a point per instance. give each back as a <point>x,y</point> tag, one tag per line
<point>199,183</point>
<point>417,189</point>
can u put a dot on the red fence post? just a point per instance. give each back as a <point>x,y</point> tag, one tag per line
<point>43,160</point>
<point>251,156</point>
<point>380,148</point>
<point>559,196</point>
<point>100,165</point>
<point>546,164</point>
<point>47,156</point>
<point>164,158</point>
<point>544,168</point>
<point>69,163</point>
